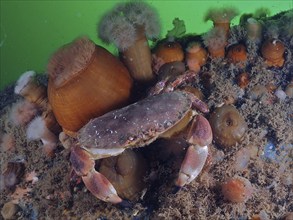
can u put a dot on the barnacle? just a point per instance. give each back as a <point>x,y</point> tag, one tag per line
<point>228,125</point>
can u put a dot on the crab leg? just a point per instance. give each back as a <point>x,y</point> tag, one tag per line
<point>199,137</point>
<point>95,182</point>
<point>200,105</point>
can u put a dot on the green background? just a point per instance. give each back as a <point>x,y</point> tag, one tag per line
<point>32,30</point>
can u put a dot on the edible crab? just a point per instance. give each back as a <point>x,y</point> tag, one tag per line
<point>138,125</point>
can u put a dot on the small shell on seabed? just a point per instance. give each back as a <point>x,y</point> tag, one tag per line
<point>13,174</point>
<point>289,90</point>
<point>126,173</point>
<point>257,92</point>
<point>237,189</point>
<point>280,94</point>
<point>7,142</point>
<point>9,210</point>
<point>228,125</point>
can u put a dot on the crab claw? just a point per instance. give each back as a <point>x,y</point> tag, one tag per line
<point>95,182</point>
<point>101,187</point>
<point>199,137</point>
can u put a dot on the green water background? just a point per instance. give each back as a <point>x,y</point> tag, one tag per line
<point>30,31</point>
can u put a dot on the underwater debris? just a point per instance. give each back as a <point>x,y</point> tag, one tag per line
<point>28,87</point>
<point>178,30</point>
<point>276,154</point>
<point>242,158</point>
<point>7,143</point>
<point>22,112</point>
<point>37,129</point>
<point>35,92</point>
<point>12,175</point>
<point>128,26</point>
<point>19,194</point>
<point>31,177</point>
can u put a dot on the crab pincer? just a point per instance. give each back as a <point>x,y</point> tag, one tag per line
<point>199,137</point>
<point>95,182</point>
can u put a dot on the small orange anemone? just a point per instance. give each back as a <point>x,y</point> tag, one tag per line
<point>196,56</point>
<point>237,189</point>
<point>243,80</point>
<point>221,17</point>
<point>169,52</point>
<point>273,52</point>
<point>237,54</point>
<point>215,40</point>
